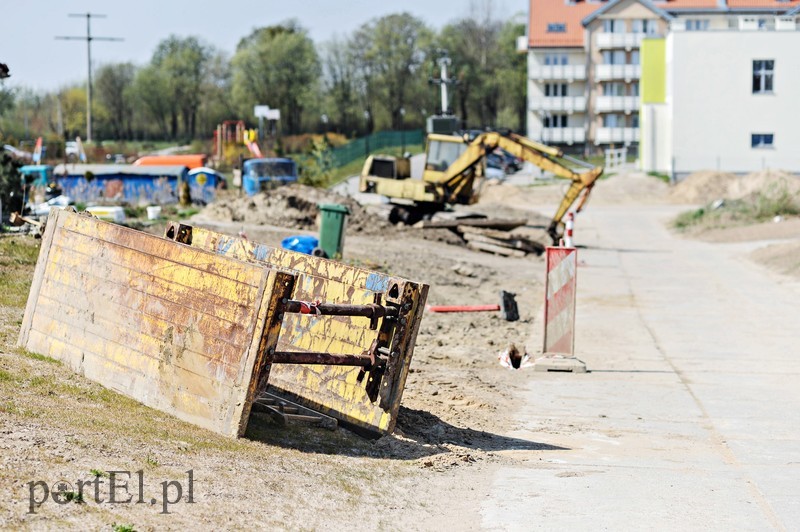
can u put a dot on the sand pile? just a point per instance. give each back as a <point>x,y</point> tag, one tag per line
<point>292,206</point>
<point>707,186</point>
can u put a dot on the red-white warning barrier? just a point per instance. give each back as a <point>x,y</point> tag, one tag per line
<point>559,306</point>
<point>568,230</point>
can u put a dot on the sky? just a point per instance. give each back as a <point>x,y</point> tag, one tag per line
<point>38,61</point>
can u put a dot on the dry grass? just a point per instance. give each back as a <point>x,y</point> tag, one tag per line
<point>58,425</point>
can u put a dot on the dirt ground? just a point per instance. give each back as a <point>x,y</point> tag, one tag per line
<point>458,403</point>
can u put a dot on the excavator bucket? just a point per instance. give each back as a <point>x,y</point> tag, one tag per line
<point>367,403</point>
<point>179,329</point>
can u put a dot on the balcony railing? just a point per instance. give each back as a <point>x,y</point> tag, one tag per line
<point>568,104</point>
<point>609,72</point>
<point>607,135</point>
<point>563,135</point>
<point>628,41</point>
<point>557,72</point>
<point>627,104</point>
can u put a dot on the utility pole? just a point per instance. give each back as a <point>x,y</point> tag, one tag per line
<point>88,40</point>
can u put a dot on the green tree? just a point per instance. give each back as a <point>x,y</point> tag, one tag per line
<point>114,84</point>
<point>388,54</point>
<point>150,88</point>
<point>513,70</point>
<point>181,63</point>
<point>472,44</point>
<point>277,66</point>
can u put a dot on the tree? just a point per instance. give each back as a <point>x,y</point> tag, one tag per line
<point>150,89</point>
<point>388,53</point>
<point>114,92</point>
<point>340,85</point>
<point>277,66</point>
<point>513,71</point>
<point>181,63</point>
<point>472,43</point>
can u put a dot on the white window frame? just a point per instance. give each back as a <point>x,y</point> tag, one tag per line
<point>758,141</point>
<point>764,74</point>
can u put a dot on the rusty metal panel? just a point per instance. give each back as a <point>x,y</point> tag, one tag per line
<point>333,390</point>
<point>181,330</point>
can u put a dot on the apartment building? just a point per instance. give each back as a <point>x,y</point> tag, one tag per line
<point>723,99</point>
<point>584,60</point>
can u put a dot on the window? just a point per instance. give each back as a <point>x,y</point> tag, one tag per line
<point>555,121</point>
<point>696,24</point>
<point>616,57</point>
<point>556,27</point>
<point>634,57</point>
<point>555,89</point>
<point>646,26</point>
<point>635,120</point>
<point>613,89</point>
<point>761,140</point>
<point>635,88</point>
<point>763,71</point>
<point>613,120</point>
<point>555,59</point>
<point>613,25</point>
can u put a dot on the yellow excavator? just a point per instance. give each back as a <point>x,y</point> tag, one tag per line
<point>454,174</point>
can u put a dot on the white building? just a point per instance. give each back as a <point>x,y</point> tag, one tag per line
<point>735,106</point>
<point>585,62</point>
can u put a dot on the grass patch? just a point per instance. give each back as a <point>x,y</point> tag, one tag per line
<point>774,201</point>
<point>17,259</point>
<point>35,356</point>
<point>658,175</point>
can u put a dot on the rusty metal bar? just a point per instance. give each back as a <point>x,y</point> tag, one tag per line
<point>327,359</point>
<point>337,309</point>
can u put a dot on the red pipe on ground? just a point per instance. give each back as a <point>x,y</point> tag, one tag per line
<point>461,308</point>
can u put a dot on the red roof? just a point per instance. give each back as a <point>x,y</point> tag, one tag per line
<point>570,14</point>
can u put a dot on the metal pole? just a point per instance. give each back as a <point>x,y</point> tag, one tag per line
<point>89,84</point>
<point>88,40</point>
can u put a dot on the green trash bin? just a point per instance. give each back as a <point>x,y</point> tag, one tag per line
<point>331,229</point>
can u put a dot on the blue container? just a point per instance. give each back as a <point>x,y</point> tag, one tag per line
<point>258,174</point>
<point>302,244</point>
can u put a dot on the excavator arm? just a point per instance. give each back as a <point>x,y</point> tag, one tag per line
<point>547,158</point>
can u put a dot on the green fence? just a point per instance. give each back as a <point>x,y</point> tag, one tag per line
<point>363,146</point>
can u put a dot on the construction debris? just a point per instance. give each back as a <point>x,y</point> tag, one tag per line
<point>199,333</point>
<point>368,315</point>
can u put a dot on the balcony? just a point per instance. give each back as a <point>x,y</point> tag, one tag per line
<point>629,41</point>
<point>626,104</point>
<point>612,72</point>
<point>563,135</point>
<point>617,135</point>
<point>568,104</point>
<point>557,72</point>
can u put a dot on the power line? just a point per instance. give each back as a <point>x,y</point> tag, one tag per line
<point>89,38</point>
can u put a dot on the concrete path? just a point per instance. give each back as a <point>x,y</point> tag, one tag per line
<point>690,417</point>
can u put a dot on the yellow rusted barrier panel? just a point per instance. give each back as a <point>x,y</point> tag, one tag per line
<point>333,390</point>
<point>181,330</point>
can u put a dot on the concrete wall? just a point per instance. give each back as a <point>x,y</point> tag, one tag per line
<point>714,111</point>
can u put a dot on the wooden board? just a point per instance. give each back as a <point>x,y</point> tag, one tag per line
<point>497,250</point>
<point>491,223</point>
<point>332,390</point>
<point>181,330</point>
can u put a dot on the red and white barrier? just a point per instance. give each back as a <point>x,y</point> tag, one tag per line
<point>559,306</point>
<point>559,312</point>
<point>568,230</point>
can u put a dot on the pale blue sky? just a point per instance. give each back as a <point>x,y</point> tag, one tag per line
<point>38,61</point>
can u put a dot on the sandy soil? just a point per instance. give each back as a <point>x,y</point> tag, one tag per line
<point>458,403</point>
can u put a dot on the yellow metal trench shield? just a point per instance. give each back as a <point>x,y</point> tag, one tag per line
<point>179,329</point>
<point>333,390</point>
